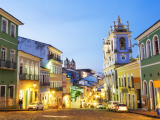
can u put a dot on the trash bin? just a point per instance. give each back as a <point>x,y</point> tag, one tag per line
<point>158,112</point>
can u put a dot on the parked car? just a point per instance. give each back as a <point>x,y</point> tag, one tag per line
<point>112,104</point>
<point>120,107</point>
<point>35,106</point>
<point>99,106</point>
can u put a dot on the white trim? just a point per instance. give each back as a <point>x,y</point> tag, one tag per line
<point>28,57</point>
<point>154,52</point>
<point>8,41</point>
<point>150,64</point>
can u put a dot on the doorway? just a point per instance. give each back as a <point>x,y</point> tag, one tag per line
<point>152,100</point>
<point>26,98</point>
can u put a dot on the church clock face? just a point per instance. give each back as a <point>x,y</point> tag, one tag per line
<point>123,57</point>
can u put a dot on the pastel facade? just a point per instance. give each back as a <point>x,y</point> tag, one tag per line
<point>116,52</point>
<point>28,84</point>
<point>8,59</point>
<point>45,86</point>
<point>149,55</point>
<point>129,84</point>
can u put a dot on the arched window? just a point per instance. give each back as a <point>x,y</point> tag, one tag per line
<point>144,87</point>
<point>148,46</point>
<point>156,45</point>
<point>142,52</point>
<point>112,45</point>
<point>122,43</point>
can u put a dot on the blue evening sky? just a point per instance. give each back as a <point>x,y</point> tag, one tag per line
<point>77,27</point>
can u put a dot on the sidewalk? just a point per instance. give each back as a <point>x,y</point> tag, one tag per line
<point>151,114</point>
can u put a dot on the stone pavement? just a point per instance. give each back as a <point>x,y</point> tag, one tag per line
<point>71,114</point>
<point>151,114</point>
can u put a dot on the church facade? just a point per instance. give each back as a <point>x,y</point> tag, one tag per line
<point>116,52</point>
<point>69,65</point>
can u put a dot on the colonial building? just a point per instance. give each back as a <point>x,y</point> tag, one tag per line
<point>116,52</point>
<point>8,59</point>
<point>69,65</point>
<point>28,79</point>
<point>149,55</point>
<point>51,60</point>
<point>128,83</point>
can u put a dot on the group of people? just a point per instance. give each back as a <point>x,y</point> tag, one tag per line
<point>20,103</point>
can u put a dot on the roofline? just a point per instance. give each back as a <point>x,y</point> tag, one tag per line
<point>41,42</point>
<point>18,21</point>
<point>29,54</point>
<point>147,29</point>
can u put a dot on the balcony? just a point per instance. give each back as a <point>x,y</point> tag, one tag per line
<point>8,65</point>
<point>57,88</point>
<point>44,84</point>
<point>24,76</point>
<point>55,58</point>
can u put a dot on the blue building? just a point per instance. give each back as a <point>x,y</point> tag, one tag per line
<point>116,52</point>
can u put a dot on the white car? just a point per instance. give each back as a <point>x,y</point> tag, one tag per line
<point>35,106</point>
<point>121,108</point>
<point>112,104</point>
<point>99,106</point>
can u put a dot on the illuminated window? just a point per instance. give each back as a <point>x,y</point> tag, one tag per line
<point>27,69</point>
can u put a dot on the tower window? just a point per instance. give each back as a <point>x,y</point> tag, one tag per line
<point>122,44</point>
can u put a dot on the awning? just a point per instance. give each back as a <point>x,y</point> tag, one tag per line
<point>136,80</point>
<point>157,83</point>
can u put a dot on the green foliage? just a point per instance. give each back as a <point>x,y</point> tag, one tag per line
<point>78,93</point>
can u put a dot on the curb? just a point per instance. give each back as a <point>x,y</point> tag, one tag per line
<point>8,110</point>
<point>145,115</point>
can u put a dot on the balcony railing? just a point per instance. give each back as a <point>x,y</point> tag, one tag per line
<point>24,76</point>
<point>45,84</point>
<point>8,64</point>
<point>57,88</point>
<point>55,58</point>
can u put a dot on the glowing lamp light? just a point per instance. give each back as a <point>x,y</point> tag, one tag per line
<point>53,92</point>
<point>34,85</point>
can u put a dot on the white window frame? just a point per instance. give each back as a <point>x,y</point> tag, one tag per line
<point>14,30</point>
<point>14,54</point>
<point>154,51</point>
<point>147,48</point>
<point>144,89</point>
<point>142,56</point>
<point>5,93</point>
<point>13,93</point>
<point>5,52</point>
<point>6,25</point>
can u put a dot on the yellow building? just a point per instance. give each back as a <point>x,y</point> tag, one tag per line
<point>128,81</point>
<point>28,78</point>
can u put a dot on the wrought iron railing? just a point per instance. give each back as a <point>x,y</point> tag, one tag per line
<point>57,88</point>
<point>45,84</point>
<point>55,58</point>
<point>25,76</point>
<point>8,64</point>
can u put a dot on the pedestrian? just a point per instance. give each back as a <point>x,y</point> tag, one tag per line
<point>20,103</point>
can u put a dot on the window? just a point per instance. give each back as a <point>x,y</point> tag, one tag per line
<point>156,45</point>
<point>12,55</point>
<point>27,69</point>
<point>11,92</point>
<point>119,82</point>
<point>142,52</point>
<point>36,96</point>
<point>148,49</point>
<point>122,81</point>
<point>112,45</point>
<point>129,99</point>
<point>128,82</point>
<point>53,69</point>
<point>122,43</point>
<point>4,25</point>
<point>3,53</point>
<point>132,82</point>
<point>36,70</point>
<point>21,68</point>
<point>13,30</point>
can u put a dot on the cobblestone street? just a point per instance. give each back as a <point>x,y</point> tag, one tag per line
<point>71,114</point>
